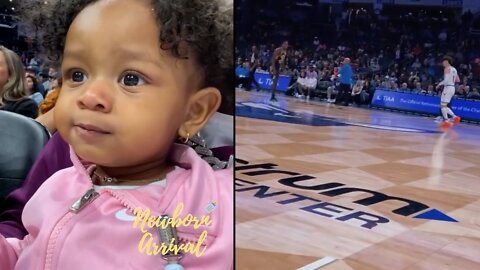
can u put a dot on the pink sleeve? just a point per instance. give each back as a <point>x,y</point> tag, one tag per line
<point>9,250</point>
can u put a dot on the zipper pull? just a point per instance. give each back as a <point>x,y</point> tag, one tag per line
<point>87,198</point>
<point>169,238</point>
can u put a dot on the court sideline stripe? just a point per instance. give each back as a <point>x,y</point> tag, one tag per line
<point>317,264</point>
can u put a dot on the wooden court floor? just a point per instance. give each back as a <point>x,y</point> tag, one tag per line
<point>323,187</point>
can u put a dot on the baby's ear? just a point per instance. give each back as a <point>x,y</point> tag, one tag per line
<point>201,106</point>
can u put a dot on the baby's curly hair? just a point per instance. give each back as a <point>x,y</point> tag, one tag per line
<point>202,25</point>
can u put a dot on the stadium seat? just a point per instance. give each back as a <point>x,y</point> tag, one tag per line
<point>321,89</point>
<point>21,140</point>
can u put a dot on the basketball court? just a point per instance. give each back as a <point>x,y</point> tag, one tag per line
<point>320,186</point>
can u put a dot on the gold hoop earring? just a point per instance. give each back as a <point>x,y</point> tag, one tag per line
<point>185,140</point>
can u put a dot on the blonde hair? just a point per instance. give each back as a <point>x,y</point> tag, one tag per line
<point>15,88</point>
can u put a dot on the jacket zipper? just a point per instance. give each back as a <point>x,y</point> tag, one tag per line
<point>52,240</point>
<point>87,198</point>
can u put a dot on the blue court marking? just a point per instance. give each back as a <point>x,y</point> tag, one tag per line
<point>434,214</point>
<point>273,113</point>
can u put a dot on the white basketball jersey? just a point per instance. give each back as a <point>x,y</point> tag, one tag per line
<point>450,76</point>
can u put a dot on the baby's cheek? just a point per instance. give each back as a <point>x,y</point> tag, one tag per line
<point>62,114</point>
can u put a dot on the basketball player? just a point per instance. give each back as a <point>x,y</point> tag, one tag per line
<point>279,60</point>
<point>449,80</point>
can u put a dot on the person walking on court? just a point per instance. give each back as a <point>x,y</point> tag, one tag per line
<point>279,61</point>
<point>449,81</point>
<point>345,87</point>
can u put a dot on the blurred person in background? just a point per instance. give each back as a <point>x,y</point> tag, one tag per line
<point>333,89</point>
<point>418,88</point>
<point>460,92</point>
<point>14,96</point>
<point>300,85</point>
<point>45,80</point>
<point>31,71</point>
<point>474,94</point>
<point>242,74</point>
<point>311,81</point>
<point>254,61</point>
<point>430,90</point>
<point>404,87</point>
<point>345,87</point>
<point>360,94</point>
<point>31,84</point>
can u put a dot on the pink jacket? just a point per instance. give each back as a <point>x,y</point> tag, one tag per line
<point>97,237</point>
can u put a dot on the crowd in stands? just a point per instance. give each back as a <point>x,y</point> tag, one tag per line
<point>399,50</point>
<point>25,83</point>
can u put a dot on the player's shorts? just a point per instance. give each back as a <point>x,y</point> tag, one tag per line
<point>275,72</point>
<point>448,93</point>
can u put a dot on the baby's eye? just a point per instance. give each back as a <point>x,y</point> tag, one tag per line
<point>78,76</point>
<point>131,79</point>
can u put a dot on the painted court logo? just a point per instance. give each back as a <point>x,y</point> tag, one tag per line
<point>411,208</point>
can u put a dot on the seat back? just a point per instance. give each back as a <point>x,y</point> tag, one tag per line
<point>21,140</point>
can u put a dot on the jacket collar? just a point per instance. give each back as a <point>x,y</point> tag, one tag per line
<point>158,199</point>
